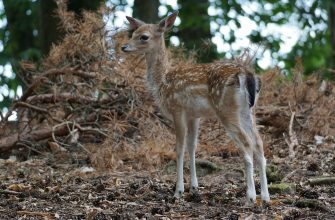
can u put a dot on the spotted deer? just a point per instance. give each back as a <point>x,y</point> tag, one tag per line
<point>227,90</point>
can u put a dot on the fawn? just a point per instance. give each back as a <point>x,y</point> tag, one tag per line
<point>228,90</point>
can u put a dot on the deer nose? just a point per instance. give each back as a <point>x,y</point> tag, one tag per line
<point>124,47</point>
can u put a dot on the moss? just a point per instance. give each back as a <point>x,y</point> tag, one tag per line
<point>282,188</point>
<point>273,174</point>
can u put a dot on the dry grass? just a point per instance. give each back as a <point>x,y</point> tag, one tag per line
<point>138,137</point>
<point>309,96</point>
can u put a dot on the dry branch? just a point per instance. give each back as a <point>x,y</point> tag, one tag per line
<point>64,97</point>
<point>9,192</point>
<point>292,140</point>
<point>27,105</point>
<point>32,87</point>
<point>45,215</point>
<point>68,71</point>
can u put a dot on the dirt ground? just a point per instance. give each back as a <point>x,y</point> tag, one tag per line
<point>65,186</point>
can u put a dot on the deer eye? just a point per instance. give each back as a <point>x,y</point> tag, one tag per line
<point>144,37</point>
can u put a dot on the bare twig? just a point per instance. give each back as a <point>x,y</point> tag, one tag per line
<point>65,97</point>
<point>293,137</point>
<point>288,176</point>
<point>30,148</point>
<point>27,105</point>
<point>89,129</point>
<point>46,215</point>
<point>32,87</point>
<point>9,192</point>
<point>75,128</point>
<point>291,140</point>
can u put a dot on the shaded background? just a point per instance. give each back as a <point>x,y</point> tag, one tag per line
<point>213,29</point>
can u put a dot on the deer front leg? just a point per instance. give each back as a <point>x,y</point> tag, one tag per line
<point>180,129</point>
<point>192,136</point>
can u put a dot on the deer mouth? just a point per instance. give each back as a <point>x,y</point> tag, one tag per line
<point>126,48</point>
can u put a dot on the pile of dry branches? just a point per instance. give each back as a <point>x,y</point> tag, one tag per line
<point>84,92</point>
<point>309,98</point>
<point>87,93</point>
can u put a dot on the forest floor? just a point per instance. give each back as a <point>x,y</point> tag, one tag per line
<point>65,186</point>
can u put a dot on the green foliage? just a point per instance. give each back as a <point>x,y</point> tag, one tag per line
<point>19,37</point>
<point>195,29</point>
<point>314,45</point>
<point>22,38</point>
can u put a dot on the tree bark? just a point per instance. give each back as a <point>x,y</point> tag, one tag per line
<point>79,5</point>
<point>331,18</point>
<point>195,29</point>
<point>146,11</point>
<point>21,42</point>
<point>49,31</point>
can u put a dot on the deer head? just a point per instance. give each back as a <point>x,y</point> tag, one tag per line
<point>147,37</point>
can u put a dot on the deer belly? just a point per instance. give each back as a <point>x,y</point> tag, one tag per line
<point>196,106</point>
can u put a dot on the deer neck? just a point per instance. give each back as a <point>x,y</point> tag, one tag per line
<point>157,66</point>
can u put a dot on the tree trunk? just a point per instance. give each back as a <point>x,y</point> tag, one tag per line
<point>21,42</point>
<point>332,33</point>
<point>194,30</point>
<point>79,5</point>
<point>49,31</point>
<point>146,11</point>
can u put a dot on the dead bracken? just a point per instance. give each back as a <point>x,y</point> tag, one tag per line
<point>90,143</point>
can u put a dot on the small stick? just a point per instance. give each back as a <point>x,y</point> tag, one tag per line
<point>288,176</point>
<point>43,214</point>
<point>10,192</point>
<point>30,148</point>
<point>293,138</point>
<point>27,105</point>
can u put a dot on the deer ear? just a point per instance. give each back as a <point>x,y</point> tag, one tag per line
<point>167,23</point>
<point>134,23</point>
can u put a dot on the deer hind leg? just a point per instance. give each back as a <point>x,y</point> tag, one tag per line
<point>259,154</point>
<point>230,115</point>
<point>248,124</point>
<point>191,142</point>
<point>180,124</point>
<point>243,141</point>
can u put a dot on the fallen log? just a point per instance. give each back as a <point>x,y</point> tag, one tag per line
<point>8,142</point>
<point>62,129</point>
<point>307,203</point>
<point>43,78</point>
<point>323,180</point>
